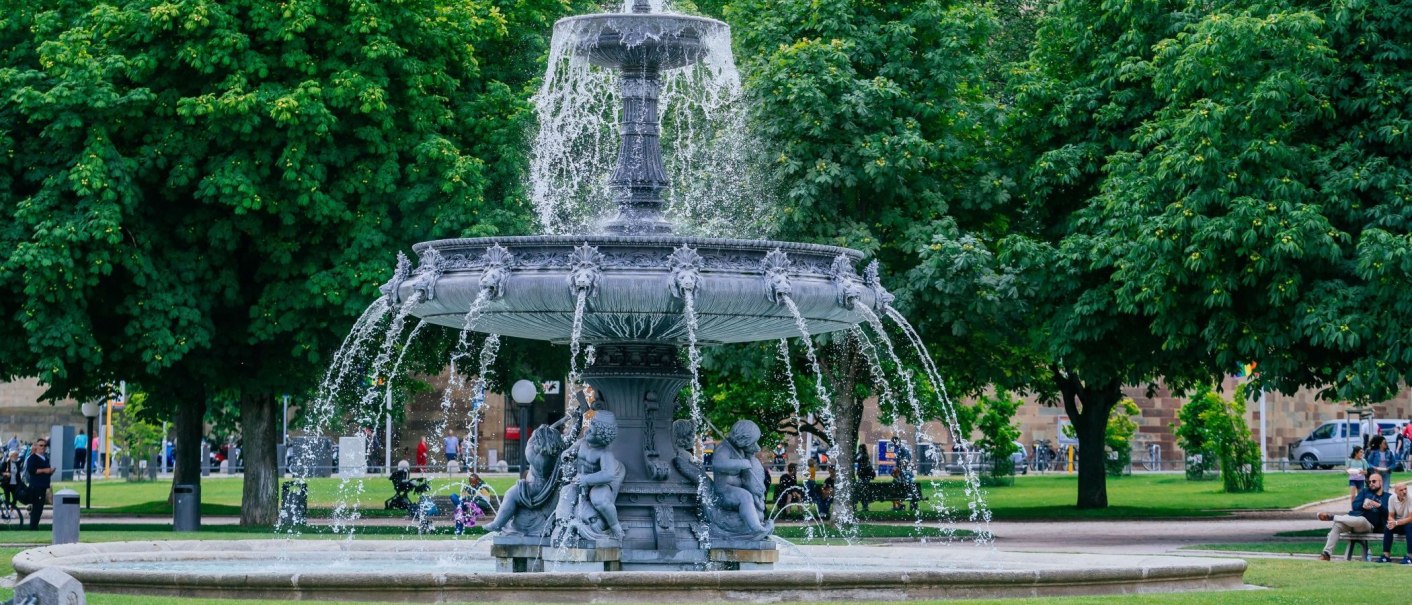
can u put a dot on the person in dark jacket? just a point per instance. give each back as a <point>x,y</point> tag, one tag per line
<point>38,472</point>
<point>1369,515</point>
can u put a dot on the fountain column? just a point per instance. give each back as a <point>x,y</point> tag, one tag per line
<point>639,178</point>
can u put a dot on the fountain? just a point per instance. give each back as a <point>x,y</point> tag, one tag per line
<point>615,486</point>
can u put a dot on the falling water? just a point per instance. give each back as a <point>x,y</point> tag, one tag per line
<point>488,351</point>
<point>693,355</point>
<point>705,138</point>
<point>841,483</point>
<point>793,390</point>
<point>575,373</point>
<point>916,406</point>
<point>979,512</point>
<point>456,381</point>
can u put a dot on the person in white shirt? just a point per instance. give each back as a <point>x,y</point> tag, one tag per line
<point>1399,521</point>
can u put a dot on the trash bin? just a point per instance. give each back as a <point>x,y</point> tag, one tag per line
<point>294,503</point>
<point>186,508</point>
<point>66,517</point>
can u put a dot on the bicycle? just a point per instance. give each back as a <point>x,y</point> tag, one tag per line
<point>11,515</point>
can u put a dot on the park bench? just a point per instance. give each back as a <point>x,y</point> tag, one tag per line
<point>1359,539</point>
<point>888,491</point>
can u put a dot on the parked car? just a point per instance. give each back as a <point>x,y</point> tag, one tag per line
<point>980,463</point>
<point>1329,445</point>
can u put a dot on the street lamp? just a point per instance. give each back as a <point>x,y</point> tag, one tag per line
<point>90,411</point>
<point>523,392</point>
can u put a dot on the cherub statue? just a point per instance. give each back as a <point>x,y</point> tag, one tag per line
<point>599,477</point>
<point>740,479</point>
<point>528,505</point>
<point>684,437</point>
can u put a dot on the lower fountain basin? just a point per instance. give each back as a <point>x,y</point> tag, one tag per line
<point>417,571</point>
<point>634,292</point>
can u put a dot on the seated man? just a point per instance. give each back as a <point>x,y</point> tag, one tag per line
<point>1369,515</point>
<point>1399,521</point>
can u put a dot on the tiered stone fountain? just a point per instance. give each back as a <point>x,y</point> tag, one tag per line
<point>615,488</point>
<point>637,293</point>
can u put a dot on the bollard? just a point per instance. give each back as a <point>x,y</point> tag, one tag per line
<point>66,517</point>
<point>186,508</point>
<point>294,503</point>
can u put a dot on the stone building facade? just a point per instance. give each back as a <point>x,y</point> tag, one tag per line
<point>23,415</point>
<point>1290,418</point>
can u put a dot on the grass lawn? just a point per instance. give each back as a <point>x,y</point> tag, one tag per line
<point>1289,582</point>
<point>1032,497</point>
<point>1138,496</point>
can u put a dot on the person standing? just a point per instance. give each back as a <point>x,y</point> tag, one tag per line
<point>81,450</point>
<point>39,472</point>
<point>14,444</point>
<point>1380,459</point>
<point>453,446</point>
<point>422,455</point>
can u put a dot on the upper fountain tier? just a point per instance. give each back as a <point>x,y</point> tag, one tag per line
<point>635,287</point>
<point>635,279</point>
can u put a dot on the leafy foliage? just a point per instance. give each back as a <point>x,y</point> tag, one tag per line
<point>1194,435</point>
<point>1119,437</point>
<point>998,431</point>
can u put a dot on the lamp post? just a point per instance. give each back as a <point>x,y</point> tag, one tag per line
<point>90,411</point>
<point>524,392</point>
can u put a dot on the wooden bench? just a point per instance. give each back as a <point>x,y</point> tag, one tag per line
<point>1360,539</point>
<point>888,491</point>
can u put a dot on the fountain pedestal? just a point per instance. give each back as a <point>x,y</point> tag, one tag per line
<point>518,554</point>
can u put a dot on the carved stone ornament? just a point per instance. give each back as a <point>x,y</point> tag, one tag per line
<point>399,275</point>
<point>685,265</point>
<point>497,263</point>
<point>585,269</point>
<point>845,281</point>
<point>776,268</point>
<point>429,273</point>
<point>882,299</point>
<point>528,508</point>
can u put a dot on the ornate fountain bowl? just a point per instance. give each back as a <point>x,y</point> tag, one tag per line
<point>618,40</point>
<point>635,287</point>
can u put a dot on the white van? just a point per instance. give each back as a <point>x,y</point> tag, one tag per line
<point>1329,445</point>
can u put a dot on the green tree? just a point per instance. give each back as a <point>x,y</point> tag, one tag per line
<point>201,196</point>
<point>138,435</point>
<point>1242,470</point>
<point>1118,438</point>
<point>998,431</point>
<point>1194,435</point>
<point>1264,207</point>
<point>1078,98</point>
<point>871,119</point>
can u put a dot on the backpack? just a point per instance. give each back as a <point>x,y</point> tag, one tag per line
<point>22,491</point>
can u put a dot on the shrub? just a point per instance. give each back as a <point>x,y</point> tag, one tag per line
<point>1194,435</point>
<point>994,419</point>
<point>1119,437</point>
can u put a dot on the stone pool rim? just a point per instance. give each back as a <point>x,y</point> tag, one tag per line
<point>1073,574</point>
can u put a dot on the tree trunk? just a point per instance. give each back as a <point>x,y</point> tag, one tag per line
<point>258,506</point>
<point>841,368</point>
<point>1088,408</point>
<point>190,426</point>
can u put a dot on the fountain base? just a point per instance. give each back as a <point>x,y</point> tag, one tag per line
<point>411,571</point>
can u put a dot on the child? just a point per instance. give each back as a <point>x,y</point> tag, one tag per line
<point>464,512</point>
<point>1357,471</point>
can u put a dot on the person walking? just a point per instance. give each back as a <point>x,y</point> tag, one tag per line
<point>80,450</point>
<point>453,445</point>
<point>1380,459</point>
<point>1369,515</point>
<point>1357,471</point>
<point>422,455</point>
<point>38,472</point>
<point>11,475</point>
